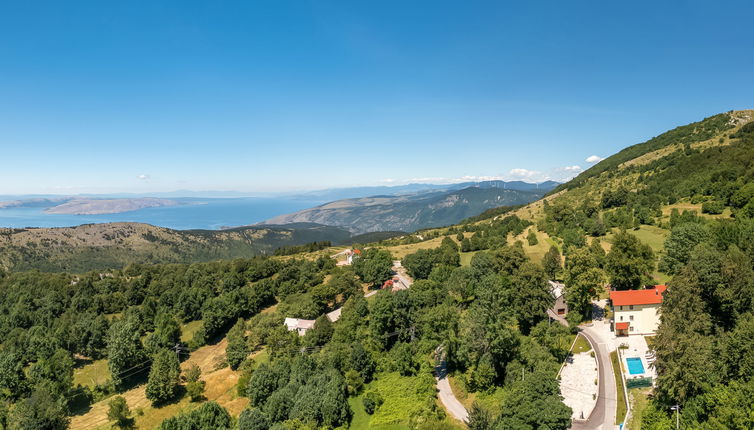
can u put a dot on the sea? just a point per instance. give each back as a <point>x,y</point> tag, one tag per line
<point>192,213</point>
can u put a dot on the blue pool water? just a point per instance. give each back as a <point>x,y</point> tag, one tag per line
<point>635,366</point>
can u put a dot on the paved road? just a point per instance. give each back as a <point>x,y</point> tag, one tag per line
<point>603,415</point>
<point>445,393</point>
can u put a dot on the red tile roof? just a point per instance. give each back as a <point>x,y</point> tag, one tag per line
<point>621,326</point>
<point>649,296</point>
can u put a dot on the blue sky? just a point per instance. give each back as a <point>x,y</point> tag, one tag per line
<point>144,96</point>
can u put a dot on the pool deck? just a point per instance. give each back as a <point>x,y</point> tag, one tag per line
<point>637,347</point>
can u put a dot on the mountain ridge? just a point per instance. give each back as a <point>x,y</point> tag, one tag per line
<point>411,212</point>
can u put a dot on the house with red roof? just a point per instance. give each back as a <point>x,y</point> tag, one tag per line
<point>637,311</point>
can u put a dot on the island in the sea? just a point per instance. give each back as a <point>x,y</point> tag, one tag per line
<point>90,206</point>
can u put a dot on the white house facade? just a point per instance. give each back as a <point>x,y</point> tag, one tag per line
<point>637,311</point>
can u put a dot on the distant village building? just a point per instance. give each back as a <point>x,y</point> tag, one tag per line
<point>397,283</point>
<point>637,311</point>
<point>299,325</point>
<point>557,289</point>
<point>355,253</point>
<point>350,254</point>
<point>334,315</point>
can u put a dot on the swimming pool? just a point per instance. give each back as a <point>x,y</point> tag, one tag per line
<point>635,366</point>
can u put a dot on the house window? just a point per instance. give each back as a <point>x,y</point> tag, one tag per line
<point>621,307</point>
<point>631,328</point>
<point>631,317</point>
<point>631,307</point>
<point>621,317</point>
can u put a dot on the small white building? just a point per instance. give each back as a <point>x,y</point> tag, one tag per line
<point>637,311</point>
<point>557,289</point>
<point>334,315</point>
<point>299,325</point>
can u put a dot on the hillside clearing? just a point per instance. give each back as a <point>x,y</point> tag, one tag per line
<point>92,374</point>
<point>220,388</point>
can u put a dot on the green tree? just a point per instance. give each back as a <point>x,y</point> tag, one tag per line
<point>163,377</point>
<point>534,404</point>
<point>532,238</point>
<point>530,296</point>
<point>279,404</point>
<point>374,266</point>
<point>238,347</point>
<point>598,252</point>
<point>119,412</point>
<point>484,374</point>
<point>194,385</point>
<point>124,349</point>
<point>321,333</point>
<point>166,334</point>
<point>354,381</point>
<point>686,358</point>
<point>208,416</point>
<point>479,418</point>
<point>420,263</point>
<point>41,410</point>
<point>629,263</point>
<point>552,262</point>
<point>323,400</point>
<point>683,238</point>
<point>262,383</point>
<point>12,376</point>
<point>253,419</point>
<point>371,401</point>
<point>583,279</point>
<point>362,361</point>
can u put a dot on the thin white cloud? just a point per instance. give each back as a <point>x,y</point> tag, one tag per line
<point>566,173</point>
<point>593,159</point>
<point>143,177</point>
<point>469,178</point>
<point>559,174</point>
<point>522,174</point>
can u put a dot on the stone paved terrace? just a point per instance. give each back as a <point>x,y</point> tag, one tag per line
<point>577,384</point>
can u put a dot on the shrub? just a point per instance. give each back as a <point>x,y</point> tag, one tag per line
<point>713,207</point>
<point>372,400</point>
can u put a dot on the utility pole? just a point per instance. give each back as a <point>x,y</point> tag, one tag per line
<point>676,408</point>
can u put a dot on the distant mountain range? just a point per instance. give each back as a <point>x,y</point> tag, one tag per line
<point>333,194</point>
<point>411,211</point>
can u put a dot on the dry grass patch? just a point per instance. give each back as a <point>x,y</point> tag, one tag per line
<point>535,252</point>
<point>221,383</point>
<point>92,374</point>
<point>400,251</point>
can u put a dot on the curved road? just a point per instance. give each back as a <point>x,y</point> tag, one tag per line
<point>603,415</point>
<point>445,393</point>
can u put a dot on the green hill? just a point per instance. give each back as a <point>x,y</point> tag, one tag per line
<point>115,245</point>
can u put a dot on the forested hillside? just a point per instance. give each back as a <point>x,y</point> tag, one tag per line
<point>203,345</point>
<point>678,208</point>
<point>372,367</point>
<point>115,245</point>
